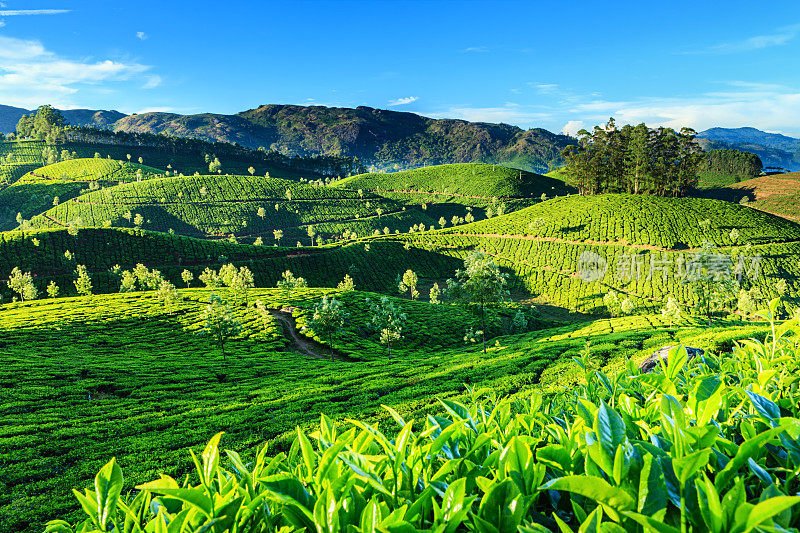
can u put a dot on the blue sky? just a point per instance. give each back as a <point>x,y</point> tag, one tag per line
<point>555,65</point>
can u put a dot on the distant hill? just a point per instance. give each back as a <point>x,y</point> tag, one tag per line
<point>389,140</point>
<point>386,139</point>
<point>775,150</point>
<point>9,116</point>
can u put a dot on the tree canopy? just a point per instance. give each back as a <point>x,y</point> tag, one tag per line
<point>634,159</point>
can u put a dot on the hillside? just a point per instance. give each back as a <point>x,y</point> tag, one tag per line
<point>778,194</point>
<point>631,219</point>
<point>387,139</point>
<point>544,248</point>
<point>43,252</point>
<point>38,190</point>
<point>470,180</point>
<point>124,376</point>
<point>245,206</point>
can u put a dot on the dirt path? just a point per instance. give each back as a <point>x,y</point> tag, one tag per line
<point>300,342</point>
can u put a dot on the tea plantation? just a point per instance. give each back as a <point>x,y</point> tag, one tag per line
<point>393,418</point>
<point>123,376</point>
<point>463,182</point>
<point>40,189</point>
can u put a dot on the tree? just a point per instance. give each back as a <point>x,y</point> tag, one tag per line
<point>434,294</point>
<point>138,220</point>
<point>167,295</point>
<point>634,159</point>
<point>328,319</point>
<point>215,167</point>
<point>347,284</point>
<point>83,283</point>
<point>52,289</point>
<point>480,283</point>
<point>409,283</point>
<point>671,311</point>
<point>278,234</point>
<point>289,282</point>
<point>442,222</point>
<point>187,277</point>
<point>220,322</point>
<point>261,212</point>
<point>242,282</point>
<point>258,242</point>
<point>710,275</point>
<point>209,278</point>
<point>127,282</point>
<point>389,321</point>
<point>519,324</point>
<point>251,170</point>
<point>612,303</point>
<point>627,306</point>
<point>22,283</point>
<point>311,233</point>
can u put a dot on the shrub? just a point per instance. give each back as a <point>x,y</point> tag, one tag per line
<point>706,445</point>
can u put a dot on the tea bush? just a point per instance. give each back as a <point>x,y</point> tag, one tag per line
<point>711,444</point>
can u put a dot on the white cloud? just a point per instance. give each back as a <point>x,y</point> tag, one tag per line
<point>478,49</point>
<point>776,109</point>
<point>403,101</point>
<point>141,35</point>
<point>30,75</point>
<point>24,12</point>
<point>152,82</point>
<point>508,114</point>
<point>164,109</point>
<point>758,42</point>
<point>544,88</point>
<point>572,127</point>
<point>2,23</point>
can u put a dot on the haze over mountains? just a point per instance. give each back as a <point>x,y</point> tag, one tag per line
<point>389,139</point>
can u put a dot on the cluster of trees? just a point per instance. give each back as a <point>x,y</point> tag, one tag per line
<point>634,159</point>
<point>322,166</point>
<point>736,163</point>
<point>47,124</point>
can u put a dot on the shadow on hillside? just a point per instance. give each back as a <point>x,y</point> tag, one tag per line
<point>162,220</point>
<point>728,194</point>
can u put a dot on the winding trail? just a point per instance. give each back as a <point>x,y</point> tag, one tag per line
<point>300,342</point>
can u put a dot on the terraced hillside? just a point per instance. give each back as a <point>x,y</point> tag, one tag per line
<point>52,255</point>
<point>464,182</point>
<point>125,377</point>
<point>17,158</point>
<point>642,247</point>
<point>38,190</point>
<point>245,206</point>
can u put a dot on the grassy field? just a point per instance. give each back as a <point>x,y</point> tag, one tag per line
<point>118,375</point>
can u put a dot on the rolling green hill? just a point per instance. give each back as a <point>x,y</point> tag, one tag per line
<point>218,206</point>
<point>672,223</point>
<point>42,252</point>
<point>646,245</point>
<point>17,158</point>
<point>467,181</point>
<point>38,190</point>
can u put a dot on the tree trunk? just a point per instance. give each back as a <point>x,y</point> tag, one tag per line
<point>483,327</point>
